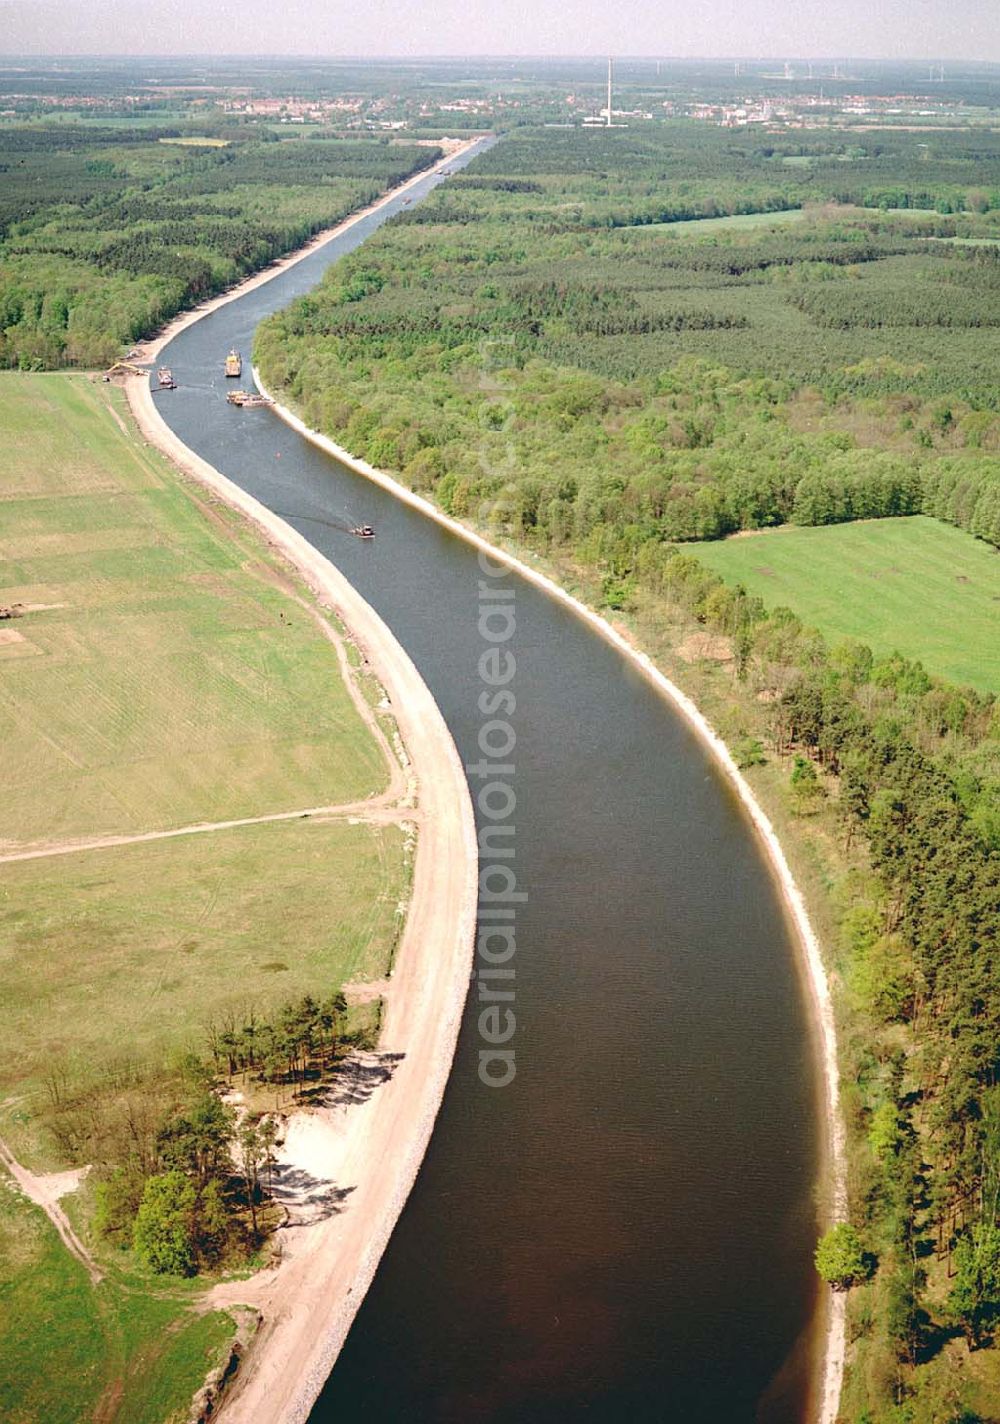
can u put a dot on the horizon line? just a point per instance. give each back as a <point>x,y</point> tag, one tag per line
<point>508,57</point>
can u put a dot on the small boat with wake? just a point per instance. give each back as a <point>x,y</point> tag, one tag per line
<point>363,531</point>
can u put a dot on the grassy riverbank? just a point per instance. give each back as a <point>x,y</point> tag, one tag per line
<point>948,1378</point>
<point>841,888</point>
<point>329,1260</point>
<point>163,676</point>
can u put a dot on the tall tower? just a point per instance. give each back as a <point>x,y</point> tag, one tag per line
<point>610,63</point>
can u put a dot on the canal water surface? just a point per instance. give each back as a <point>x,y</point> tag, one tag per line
<point>624,1232</point>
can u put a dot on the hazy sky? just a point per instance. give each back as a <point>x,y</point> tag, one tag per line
<point>932,29</point>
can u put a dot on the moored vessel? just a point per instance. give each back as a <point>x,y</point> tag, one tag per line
<point>248,400</point>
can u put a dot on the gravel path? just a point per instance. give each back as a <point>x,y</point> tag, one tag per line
<point>364,1153</point>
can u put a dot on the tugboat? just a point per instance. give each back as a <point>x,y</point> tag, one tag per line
<point>165,377</point>
<point>234,363</point>
<point>364,531</point>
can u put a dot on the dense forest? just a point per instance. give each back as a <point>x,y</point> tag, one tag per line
<point>552,349</point>
<point>107,232</point>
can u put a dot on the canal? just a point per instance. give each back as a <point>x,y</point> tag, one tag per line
<point>623,1233</point>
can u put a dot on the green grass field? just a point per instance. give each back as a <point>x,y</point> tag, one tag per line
<point>165,671</point>
<point>914,586</point>
<point>174,680</point>
<point>128,1350</point>
<point>143,944</point>
<point>164,676</point>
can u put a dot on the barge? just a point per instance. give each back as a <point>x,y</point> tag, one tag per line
<point>248,400</point>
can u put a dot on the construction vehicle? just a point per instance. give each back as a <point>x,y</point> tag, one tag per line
<point>123,368</point>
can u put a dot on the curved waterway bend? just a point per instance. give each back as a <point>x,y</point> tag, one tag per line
<point>623,1233</point>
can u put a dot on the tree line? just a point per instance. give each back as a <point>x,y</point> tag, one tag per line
<point>894,751</point>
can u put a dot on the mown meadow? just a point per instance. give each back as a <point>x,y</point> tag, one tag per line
<point>913,586</point>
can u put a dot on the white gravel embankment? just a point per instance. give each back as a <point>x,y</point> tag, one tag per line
<point>828,1391</point>
<point>373,1150</point>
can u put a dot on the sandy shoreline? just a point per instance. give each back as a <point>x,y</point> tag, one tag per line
<point>828,1392</point>
<point>373,1151</point>
<point>150,349</point>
